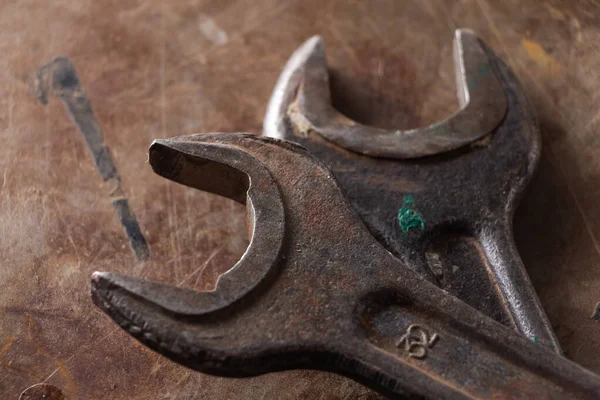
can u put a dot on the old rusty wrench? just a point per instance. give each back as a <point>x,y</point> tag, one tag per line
<point>316,290</point>
<point>465,199</point>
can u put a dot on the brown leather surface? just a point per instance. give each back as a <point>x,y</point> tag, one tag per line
<point>157,69</point>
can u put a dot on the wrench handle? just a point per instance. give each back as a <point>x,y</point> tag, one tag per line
<point>514,285</point>
<point>405,348</point>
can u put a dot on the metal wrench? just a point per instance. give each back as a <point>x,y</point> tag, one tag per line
<point>456,183</point>
<point>316,290</point>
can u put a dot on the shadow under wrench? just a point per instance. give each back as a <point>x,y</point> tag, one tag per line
<point>59,78</point>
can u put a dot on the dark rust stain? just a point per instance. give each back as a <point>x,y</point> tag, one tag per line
<point>42,391</point>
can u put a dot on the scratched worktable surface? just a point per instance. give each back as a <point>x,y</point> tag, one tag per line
<point>156,69</point>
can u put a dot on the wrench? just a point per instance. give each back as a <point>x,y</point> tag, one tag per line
<point>455,183</point>
<point>316,290</point>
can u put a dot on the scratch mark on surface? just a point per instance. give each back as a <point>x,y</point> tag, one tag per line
<point>178,259</point>
<point>541,57</point>
<point>11,106</point>
<point>134,12</point>
<point>438,13</point>
<point>60,79</point>
<point>212,31</point>
<point>491,24</point>
<point>18,369</point>
<point>580,209</point>
<point>7,345</point>
<point>587,225</point>
<point>162,73</point>
<point>555,12</point>
<point>30,327</point>
<point>189,213</point>
<point>447,13</point>
<point>259,22</point>
<point>595,118</point>
<point>347,48</point>
<point>173,227</point>
<point>181,384</point>
<point>201,268</point>
<point>154,368</point>
<point>48,143</point>
<point>11,135</point>
<point>93,260</point>
<point>57,369</point>
<point>373,26</point>
<point>103,338</point>
<point>177,233</point>
<point>577,25</point>
<point>68,229</point>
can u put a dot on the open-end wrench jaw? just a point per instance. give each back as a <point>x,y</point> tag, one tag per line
<point>234,174</point>
<point>303,92</point>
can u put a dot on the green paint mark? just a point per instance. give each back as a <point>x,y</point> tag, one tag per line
<point>534,339</point>
<point>409,218</point>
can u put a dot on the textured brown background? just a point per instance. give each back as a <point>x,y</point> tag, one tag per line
<point>157,69</point>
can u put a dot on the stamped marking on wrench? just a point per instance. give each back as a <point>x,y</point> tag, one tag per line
<point>417,342</point>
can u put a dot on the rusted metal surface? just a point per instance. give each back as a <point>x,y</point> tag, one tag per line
<point>468,193</point>
<point>159,69</point>
<point>332,298</point>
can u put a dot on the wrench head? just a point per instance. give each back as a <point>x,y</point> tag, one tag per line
<point>304,85</point>
<point>430,195</point>
<point>234,174</point>
<point>277,300</point>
